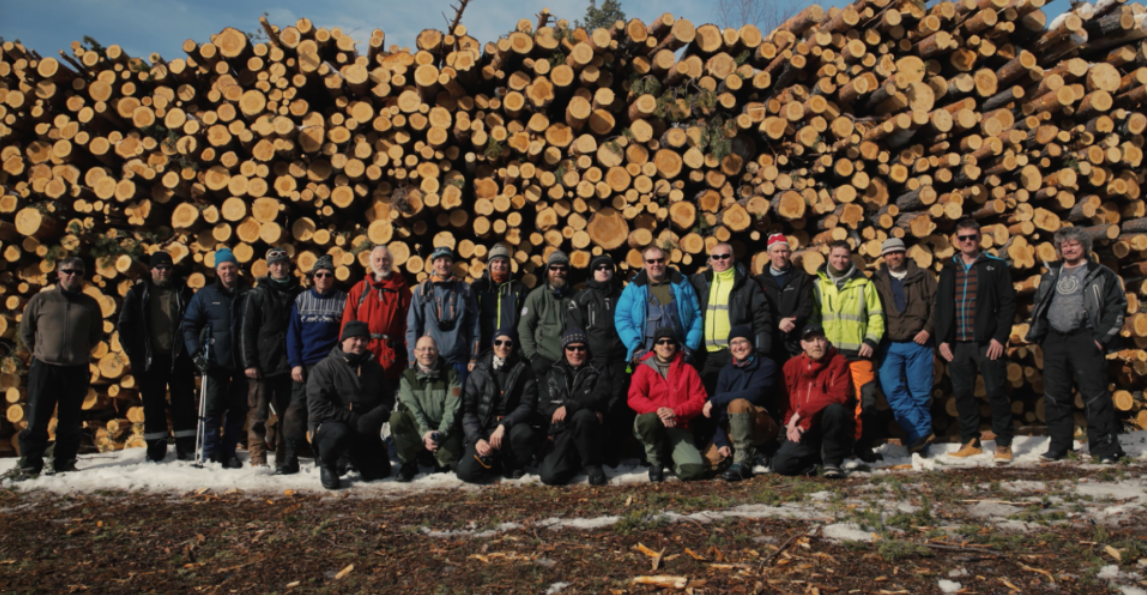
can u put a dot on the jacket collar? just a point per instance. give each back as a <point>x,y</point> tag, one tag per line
<point>395,282</point>
<point>739,275</point>
<point>673,276</point>
<point>677,359</point>
<point>914,272</point>
<point>810,367</point>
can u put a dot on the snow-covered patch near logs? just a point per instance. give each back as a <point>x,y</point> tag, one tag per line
<point>846,532</point>
<point>947,586</point>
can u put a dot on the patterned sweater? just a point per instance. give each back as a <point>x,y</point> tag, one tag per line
<point>315,323</point>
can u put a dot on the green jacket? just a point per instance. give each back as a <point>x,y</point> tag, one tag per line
<point>851,313</point>
<point>544,321</point>
<point>433,398</point>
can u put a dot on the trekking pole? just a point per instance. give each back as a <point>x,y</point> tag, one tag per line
<point>201,427</point>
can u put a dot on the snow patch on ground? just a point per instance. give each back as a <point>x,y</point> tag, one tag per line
<point>846,532</point>
<point>556,588</point>
<point>590,524</point>
<point>957,572</point>
<point>947,586</point>
<point>1127,590</point>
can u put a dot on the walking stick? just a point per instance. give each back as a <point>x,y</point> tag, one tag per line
<point>201,427</point>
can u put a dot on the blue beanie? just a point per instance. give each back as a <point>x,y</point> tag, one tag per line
<point>223,255</point>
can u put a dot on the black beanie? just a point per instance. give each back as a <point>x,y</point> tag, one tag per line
<point>665,332</point>
<point>355,328</point>
<point>159,258</point>
<point>741,331</point>
<point>601,259</point>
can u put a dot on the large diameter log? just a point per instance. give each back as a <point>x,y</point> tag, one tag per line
<point>608,229</point>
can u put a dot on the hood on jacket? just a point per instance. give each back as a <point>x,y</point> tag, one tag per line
<point>396,281</point>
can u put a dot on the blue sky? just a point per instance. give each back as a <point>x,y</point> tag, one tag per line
<point>144,26</point>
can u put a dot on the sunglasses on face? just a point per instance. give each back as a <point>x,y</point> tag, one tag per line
<point>966,238</point>
<point>558,267</point>
<point>576,348</point>
<point>721,256</point>
<point>70,272</point>
<point>667,342</point>
<point>503,342</point>
<point>655,261</point>
<point>604,267</point>
<point>323,275</point>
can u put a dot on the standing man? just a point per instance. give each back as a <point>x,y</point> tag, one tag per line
<point>149,333</point>
<point>265,322</point>
<point>908,295</point>
<point>444,308</point>
<point>349,399</point>
<point>849,309</point>
<point>572,408</point>
<point>544,316</point>
<point>817,422</point>
<point>728,298</point>
<point>427,416</point>
<point>382,300</point>
<point>1078,312</point>
<point>215,316</point>
<point>312,334</point>
<point>658,297</point>
<point>59,326</point>
<point>975,306</point>
<point>789,293</point>
<point>594,309</point>
<point>499,295</point>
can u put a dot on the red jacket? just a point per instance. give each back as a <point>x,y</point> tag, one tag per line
<point>683,392</point>
<point>384,310</point>
<point>814,385</point>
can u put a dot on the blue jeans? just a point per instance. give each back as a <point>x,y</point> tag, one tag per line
<point>906,377</point>
<point>463,371</point>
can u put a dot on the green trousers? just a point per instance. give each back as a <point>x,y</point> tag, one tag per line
<point>408,441</point>
<point>687,461</point>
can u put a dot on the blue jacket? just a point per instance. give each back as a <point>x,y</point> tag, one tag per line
<point>753,383</point>
<point>631,308</point>
<point>220,310</point>
<point>316,321</point>
<point>448,312</point>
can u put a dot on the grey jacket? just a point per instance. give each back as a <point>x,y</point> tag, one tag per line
<point>60,328</point>
<point>1103,298</point>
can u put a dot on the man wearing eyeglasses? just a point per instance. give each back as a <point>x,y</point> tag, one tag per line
<point>60,326</point>
<point>729,298</point>
<point>544,316</point>
<point>313,332</point>
<point>149,333</point>
<point>500,296</point>
<point>382,300</point>
<point>572,409</point>
<point>443,307</point>
<point>789,293</point>
<point>975,306</point>
<point>658,296</point>
<point>427,415</point>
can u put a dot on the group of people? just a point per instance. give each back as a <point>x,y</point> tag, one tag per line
<point>709,374</point>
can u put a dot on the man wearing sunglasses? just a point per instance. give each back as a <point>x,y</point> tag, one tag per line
<point>572,408</point>
<point>729,298</point>
<point>443,307</point>
<point>382,301</point>
<point>500,296</point>
<point>975,308</point>
<point>149,333</point>
<point>544,315</point>
<point>313,332</point>
<point>60,326</point>
<point>498,404</point>
<point>264,346</point>
<point>658,296</point>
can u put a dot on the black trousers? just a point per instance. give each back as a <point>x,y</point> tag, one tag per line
<point>1074,355</point>
<point>576,443</point>
<point>828,440</point>
<point>294,422</point>
<point>517,447</point>
<point>366,451</point>
<point>59,389</point>
<point>226,412</point>
<point>619,441</point>
<point>154,384</point>
<point>711,369</point>
<point>967,358</point>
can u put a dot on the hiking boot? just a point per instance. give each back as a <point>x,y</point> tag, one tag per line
<point>407,472</point>
<point>513,473</point>
<point>64,466</point>
<point>228,462</point>
<point>865,453</point>
<point>156,450</point>
<point>596,475</point>
<point>184,449</point>
<point>971,449</point>
<point>289,463</point>
<point>442,468</point>
<point>656,474</point>
<point>1110,459</point>
<point>831,471</point>
<point>738,472</point>
<point>1003,455</point>
<point>329,477</point>
<point>1053,456</point>
<point>921,444</point>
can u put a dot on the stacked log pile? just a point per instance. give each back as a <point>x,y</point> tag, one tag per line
<point>882,119</point>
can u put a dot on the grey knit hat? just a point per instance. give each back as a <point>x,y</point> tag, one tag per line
<point>558,257</point>
<point>498,251</point>
<point>277,255</point>
<point>324,263</point>
<point>892,245</point>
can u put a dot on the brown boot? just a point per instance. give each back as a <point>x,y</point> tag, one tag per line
<point>256,441</point>
<point>970,449</point>
<point>1003,455</point>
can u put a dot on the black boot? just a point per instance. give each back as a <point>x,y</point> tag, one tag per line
<point>66,466</point>
<point>185,449</point>
<point>156,450</point>
<point>596,475</point>
<point>290,463</point>
<point>329,476</point>
<point>864,452</point>
<point>656,474</point>
<point>738,472</point>
<point>407,472</point>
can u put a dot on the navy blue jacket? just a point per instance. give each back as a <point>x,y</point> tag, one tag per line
<point>753,383</point>
<point>222,311</point>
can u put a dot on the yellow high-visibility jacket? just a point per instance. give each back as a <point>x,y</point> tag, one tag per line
<point>851,315</point>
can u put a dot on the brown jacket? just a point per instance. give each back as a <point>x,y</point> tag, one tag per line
<point>61,328</point>
<point>920,292</point>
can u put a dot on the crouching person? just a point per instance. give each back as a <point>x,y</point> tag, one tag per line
<point>736,416</point>
<point>666,393</point>
<point>497,404</point>
<point>429,399</point>
<point>573,408</point>
<point>816,417</point>
<point>348,399</point>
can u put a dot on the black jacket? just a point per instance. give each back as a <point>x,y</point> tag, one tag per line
<point>747,305</point>
<point>265,323</point>
<point>134,335</point>
<point>795,299</point>
<point>586,388</point>
<point>995,301</point>
<point>220,311</point>
<point>506,397</point>
<point>490,319</point>
<point>593,310</point>
<point>1103,299</point>
<point>357,395</point>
